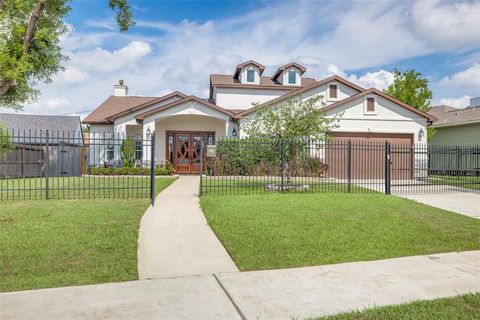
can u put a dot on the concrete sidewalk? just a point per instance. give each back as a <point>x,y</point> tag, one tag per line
<point>466,203</point>
<point>175,239</point>
<point>295,293</point>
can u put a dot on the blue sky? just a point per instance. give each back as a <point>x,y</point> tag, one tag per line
<point>177,44</point>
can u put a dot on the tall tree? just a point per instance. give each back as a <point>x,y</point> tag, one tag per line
<point>30,49</point>
<point>411,88</point>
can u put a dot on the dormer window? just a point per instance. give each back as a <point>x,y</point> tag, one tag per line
<point>251,76</point>
<point>292,77</point>
<point>332,91</point>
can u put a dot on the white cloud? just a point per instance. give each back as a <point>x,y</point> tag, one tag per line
<point>460,102</point>
<point>379,79</point>
<point>181,56</point>
<point>468,78</point>
<point>447,25</point>
<point>57,103</point>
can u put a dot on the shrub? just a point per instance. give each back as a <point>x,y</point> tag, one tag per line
<point>164,170</point>
<point>127,153</point>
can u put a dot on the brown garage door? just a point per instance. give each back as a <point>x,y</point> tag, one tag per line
<point>368,155</point>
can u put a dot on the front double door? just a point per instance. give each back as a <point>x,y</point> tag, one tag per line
<point>187,148</point>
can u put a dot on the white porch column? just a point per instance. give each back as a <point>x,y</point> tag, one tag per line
<point>148,127</point>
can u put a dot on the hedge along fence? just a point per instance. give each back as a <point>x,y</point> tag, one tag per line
<point>164,170</point>
<point>252,157</point>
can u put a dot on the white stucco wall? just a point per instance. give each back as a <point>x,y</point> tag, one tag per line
<point>231,98</point>
<point>98,138</point>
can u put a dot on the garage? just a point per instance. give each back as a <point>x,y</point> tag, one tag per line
<point>367,155</point>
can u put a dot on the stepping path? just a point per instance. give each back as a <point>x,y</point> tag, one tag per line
<point>295,293</point>
<point>175,239</point>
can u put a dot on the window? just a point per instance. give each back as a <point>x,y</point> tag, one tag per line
<point>138,150</point>
<point>110,152</point>
<point>292,77</point>
<point>250,75</point>
<point>370,105</point>
<point>333,91</point>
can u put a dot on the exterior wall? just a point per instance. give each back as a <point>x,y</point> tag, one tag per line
<point>97,151</point>
<point>231,98</point>
<point>388,117</point>
<point>184,123</point>
<point>464,134</point>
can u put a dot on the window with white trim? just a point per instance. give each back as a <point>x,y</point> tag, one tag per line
<point>251,76</point>
<point>292,77</point>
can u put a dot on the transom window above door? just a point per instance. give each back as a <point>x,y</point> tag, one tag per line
<point>251,76</point>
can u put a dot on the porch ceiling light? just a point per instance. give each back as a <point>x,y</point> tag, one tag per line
<point>234,132</point>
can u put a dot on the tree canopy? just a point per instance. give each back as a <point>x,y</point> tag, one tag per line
<point>30,50</point>
<point>296,120</point>
<point>411,88</point>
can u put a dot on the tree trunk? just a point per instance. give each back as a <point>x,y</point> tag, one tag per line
<point>27,40</point>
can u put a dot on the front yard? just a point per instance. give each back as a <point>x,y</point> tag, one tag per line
<point>57,243</point>
<point>465,307</point>
<point>271,231</point>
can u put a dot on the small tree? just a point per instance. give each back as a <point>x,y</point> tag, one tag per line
<point>292,127</point>
<point>411,88</point>
<point>127,153</point>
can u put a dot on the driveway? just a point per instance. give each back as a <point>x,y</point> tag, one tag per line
<point>466,203</point>
<point>175,239</point>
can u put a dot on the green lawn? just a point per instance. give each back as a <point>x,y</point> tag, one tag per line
<point>53,243</point>
<point>468,182</point>
<point>241,185</point>
<point>270,231</point>
<point>86,187</point>
<point>465,307</point>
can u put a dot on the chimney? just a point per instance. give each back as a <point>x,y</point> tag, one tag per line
<point>120,89</point>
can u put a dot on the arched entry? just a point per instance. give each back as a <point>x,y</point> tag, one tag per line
<point>184,149</point>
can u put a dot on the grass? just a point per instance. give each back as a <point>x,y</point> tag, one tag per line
<point>86,187</point>
<point>54,243</point>
<point>271,231</point>
<point>222,185</point>
<point>465,307</point>
<point>468,182</point>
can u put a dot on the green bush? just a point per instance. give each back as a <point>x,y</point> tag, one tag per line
<point>164,170</point>
<point>127,153</point>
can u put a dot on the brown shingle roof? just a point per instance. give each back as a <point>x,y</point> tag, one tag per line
<point>450,116</point>
<point>227,81</point>
<point>112,106</point>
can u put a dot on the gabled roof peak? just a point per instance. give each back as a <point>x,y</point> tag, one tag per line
<point>289,65</point>
<point>246,63</point>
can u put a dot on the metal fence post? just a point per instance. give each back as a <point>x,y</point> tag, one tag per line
<point>152,168</point>
<point>282,187</point>
<point>46,164</point>
<point>201,167</point>
<point>349,168</point>
<point>388,181</point>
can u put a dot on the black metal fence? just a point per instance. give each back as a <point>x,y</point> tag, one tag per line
<point>244,166</point>
<point>75,165</point>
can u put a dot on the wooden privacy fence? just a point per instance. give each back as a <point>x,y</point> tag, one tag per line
<point>22,161</point>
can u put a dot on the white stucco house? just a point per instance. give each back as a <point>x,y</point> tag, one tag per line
<point>181,121</point>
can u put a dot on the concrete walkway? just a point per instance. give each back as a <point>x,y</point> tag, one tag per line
<point>295,293</point>
<point>175,239</point>
<point>466,203</point>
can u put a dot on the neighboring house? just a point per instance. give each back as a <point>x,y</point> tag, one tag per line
<point>457,126</point>
<point>181,122</point>
<point>28,137</point>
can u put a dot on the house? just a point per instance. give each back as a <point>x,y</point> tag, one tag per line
<point>180,122</point>
<point>457,126</point>
<point>28,136</point>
